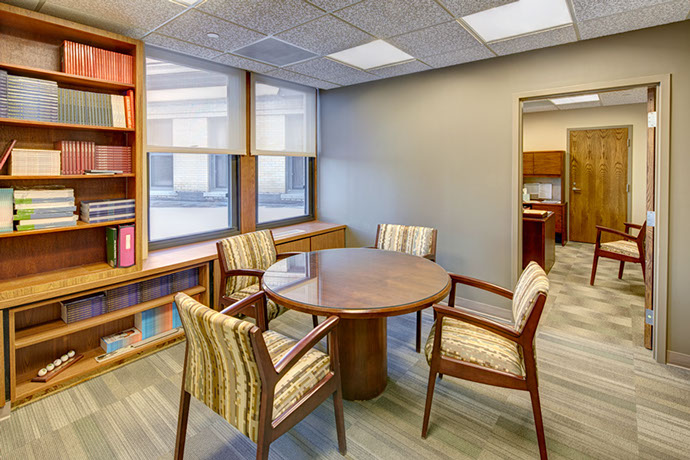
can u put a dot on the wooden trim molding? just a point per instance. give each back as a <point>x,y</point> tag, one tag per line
<point>678,359</point>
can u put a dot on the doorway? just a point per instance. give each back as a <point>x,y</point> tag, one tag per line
<point>600,181</point>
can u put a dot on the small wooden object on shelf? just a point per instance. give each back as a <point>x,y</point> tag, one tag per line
<point>57,370</point>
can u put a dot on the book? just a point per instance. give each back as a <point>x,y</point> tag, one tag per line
<point>34,162</point>
<point>111,246</point>
<point>33,226</point>
<point>125,246</point>
<point>6,153</point>
<point>119,340</point>
<point>96,220</point>
<point>122,297</point>
<point>3,93</point>
<point>48,221</point>
<point>6,199</point>
<point>82,308</point>
<point>44,192</point>
<point>90,61</point>
<point>50,205</point>
<point>41,214</point>
<point>30,98</point>
<point>154,321</point>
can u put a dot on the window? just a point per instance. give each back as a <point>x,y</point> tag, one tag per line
<point>284,122</point>
<point>195,130</point>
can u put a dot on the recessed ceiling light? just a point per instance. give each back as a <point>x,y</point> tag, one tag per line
<point>374,54</point>
<point>518,18</point>
<point>212,35</point>
<point>575,99</point>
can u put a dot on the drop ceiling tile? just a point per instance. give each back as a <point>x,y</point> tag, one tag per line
<point>181,46</point>
<point>242,63</point>
<point>265,16</point>
<point>534,41</point>
<point>475,53</point>
<point>538,106</point>
<point>628,96</point>
<point>326,35</point>
<point>275,52</point>
<point>332,5</point>
<point>591,9</point>
<point>580,105</point>
<point>638,19</point>
<point>301,79</point>
<point>329,70</point>
<point>438,39</point>
<point>133,18</point>
<point>193,26</point>
<point>460,8</point>
<point>386,18</point>
<point>400,69</point>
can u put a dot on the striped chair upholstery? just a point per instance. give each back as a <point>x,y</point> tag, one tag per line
<point>405,238</point>
<point>623,247</point>
<point>532,282</point>
<point>254,250</point>
<point>222,370</point>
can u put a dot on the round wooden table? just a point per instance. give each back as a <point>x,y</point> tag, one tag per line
<point>363,287</point>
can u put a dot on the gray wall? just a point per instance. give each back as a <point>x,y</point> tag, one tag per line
<point>434,149</point>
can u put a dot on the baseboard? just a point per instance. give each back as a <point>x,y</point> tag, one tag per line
<point>678,359</point>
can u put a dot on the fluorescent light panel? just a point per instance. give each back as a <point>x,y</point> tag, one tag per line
<point>374,54</point>
<point>518,18</point>
<point>575,99</point>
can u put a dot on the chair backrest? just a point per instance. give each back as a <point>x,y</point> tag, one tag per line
<point>642,235</point>
<point>220,368</point>
<point>418,241</point>
<point>532,282</point>
<point>255,250</point>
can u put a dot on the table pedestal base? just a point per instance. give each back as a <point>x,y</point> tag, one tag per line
<point>362,345</point>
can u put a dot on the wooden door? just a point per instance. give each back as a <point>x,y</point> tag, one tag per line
<point>649,240</point>
<point>598,182</point>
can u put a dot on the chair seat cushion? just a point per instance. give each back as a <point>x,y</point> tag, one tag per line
<point>273,310</point>
<point>622,247</point>
<point>301,378</point>
<point>472,344</point>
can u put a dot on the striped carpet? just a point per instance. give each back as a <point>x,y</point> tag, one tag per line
<point>602,395</point>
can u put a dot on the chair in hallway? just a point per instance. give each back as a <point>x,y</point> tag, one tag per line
<point>629,249</point>
<point>471,347</point>
<point>418,241</point>
<point>243,260</point>
<point>261,382</point>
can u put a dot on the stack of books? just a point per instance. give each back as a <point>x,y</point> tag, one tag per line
<point>119,246</point>
<point>114,158</point>
<point>34,162</point>
<point>89,61</point>
<point>122,297</point>
<point>119,340</point>
<point>32,99</point>
<point>154,321</point>
<point>42,208</point>
<point>77,156</point>
<point>6,205</point>
<point>95,109</point>
<point>184,280</point>
<point>155,288</point>
<point>83,308</point>
<point>94,211</point>
<point>3,93</point>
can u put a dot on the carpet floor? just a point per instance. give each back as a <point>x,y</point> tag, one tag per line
<point>602,396</point>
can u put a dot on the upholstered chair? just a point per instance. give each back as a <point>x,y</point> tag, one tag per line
<point>243,260</point>
<point>263,383</point>
<point>629,249</point>
<point>471,347</point>
<point>418,241</point>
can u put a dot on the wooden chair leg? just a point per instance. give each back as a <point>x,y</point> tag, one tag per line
<point>182,424</point>
<point>620,270</point>
<point>340,421</point>
<point>314,320</point>
<point>644,271</point>
<point>594,267</point>
<point>418,345</point>
<point>539,423</point>
<point>429,399</point>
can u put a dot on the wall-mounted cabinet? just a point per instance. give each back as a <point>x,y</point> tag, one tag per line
<point>543,164</point>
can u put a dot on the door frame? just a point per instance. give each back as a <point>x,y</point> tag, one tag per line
<point>662,157</point>
<point>629,172</point>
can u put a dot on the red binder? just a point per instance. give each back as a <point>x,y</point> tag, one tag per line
<point>125,243</point>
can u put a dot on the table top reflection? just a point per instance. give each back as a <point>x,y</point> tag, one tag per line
<point>356,282</point>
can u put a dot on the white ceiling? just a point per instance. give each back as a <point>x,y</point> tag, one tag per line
<point>428,30</point>
<point>620,97</point>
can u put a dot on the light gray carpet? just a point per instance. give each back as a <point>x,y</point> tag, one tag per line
<point>602,396</point>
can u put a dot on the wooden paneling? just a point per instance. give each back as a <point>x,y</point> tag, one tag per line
<point>247,194</point>
<point>527,163</point>
<point>330,240</point>
<point>302,245</point>
<point>598,181</point>
<point>649,241</point>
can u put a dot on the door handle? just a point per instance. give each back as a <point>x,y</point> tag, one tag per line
<point>575,189</point>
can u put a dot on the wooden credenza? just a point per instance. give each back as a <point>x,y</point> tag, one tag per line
<point>539,241</point>
<point>560,211</point>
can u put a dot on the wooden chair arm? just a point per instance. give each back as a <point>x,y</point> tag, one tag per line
<point>479,284</point>
<point>631,225</point>
<point>304,345</point>
<point>246,272</point>
<point>484,323</point>
<point>615,232</point>
<point>431,257</point>
<point>284,255</point>
<point>240,306</point>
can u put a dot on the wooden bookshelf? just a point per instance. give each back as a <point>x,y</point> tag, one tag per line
<point>80,226</point>
<point>30,45</point>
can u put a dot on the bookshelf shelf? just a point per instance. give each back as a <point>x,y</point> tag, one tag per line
<point>50,124</point>
<point>80,226</point>
<point>67,177</point>
<point>54,329</point>
<point>25,388</point>
<point>61,77</point>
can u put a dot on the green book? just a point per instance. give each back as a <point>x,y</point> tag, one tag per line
<point>111,245</point>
